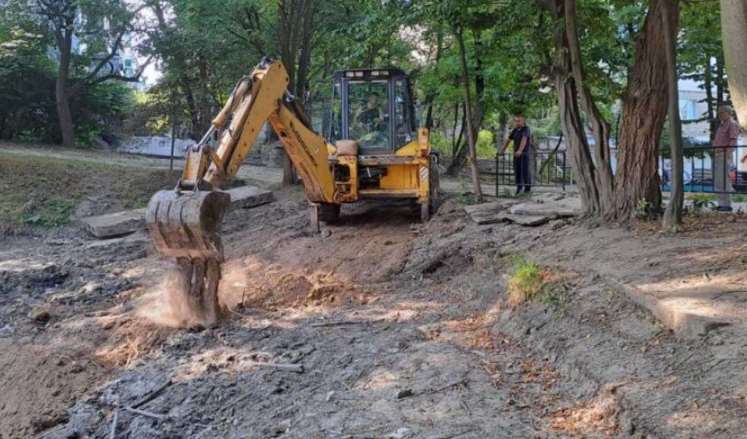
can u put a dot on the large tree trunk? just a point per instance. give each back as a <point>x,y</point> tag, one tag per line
<point>431,97</point>
<point>294,38</point>
<point>643,116</point>
<point>471,129</point>
<point>576,143</point>
<point>194,112</point>
<point>600,127</point>
<point>567,77</point>
<point>673,214</point>
<point>711,112</point>
<point>476,109</point>
<point>64,114</point>
<point>734,30</point>
<point>62,97</point>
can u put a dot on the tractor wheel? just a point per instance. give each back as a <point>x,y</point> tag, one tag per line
<point>425,212</point>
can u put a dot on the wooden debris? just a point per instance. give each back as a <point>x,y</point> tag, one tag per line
<point>298,368</point>
<point>146,413</point>
<point>113,428</point>
<point>343,323</point>
<point>152,395</point>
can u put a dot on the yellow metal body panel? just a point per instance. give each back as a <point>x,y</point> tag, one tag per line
<point>415,176</point>
<point>259,98</point>
<point>251,111</point>
<point>255,100</point>
<point>347,191</point>
<point>308,152</point>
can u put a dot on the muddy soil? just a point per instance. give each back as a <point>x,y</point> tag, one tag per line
<point>379,327</point>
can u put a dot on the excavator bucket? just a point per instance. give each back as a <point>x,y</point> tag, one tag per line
<point>187,224</point>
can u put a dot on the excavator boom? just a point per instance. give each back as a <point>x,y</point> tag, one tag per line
<point>185,222</point>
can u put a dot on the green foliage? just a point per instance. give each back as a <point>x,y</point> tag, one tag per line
<point>202,48</point>
<point>26,84</point>
<point>485,145</point>
<point>702,202</point>
<point>28,70</point>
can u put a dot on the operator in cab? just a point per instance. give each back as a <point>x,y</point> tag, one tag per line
<point>372,120</point>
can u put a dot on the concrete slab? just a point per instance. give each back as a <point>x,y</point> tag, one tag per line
<point>244,197</point>
<point>500,211</point>
<point>118,224</point>
<point>527,220</point>
<point>115,224</point>
<point>558,207</point>
<point>489,213</point>
<point>685,316</point>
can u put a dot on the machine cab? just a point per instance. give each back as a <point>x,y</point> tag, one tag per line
<point>373,107</point>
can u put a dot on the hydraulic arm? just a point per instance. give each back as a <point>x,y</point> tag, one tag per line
<point>185,222</point>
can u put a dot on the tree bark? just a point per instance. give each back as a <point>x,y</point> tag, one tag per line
<point>64,115</point>
<point>476,111</point>
<point>708,80</point>
<point>643,116</point>
<point>600,127</point>
<point>673,214</point>
<point>475,173</point>
<point>571,121</point>
<point>734,31</point>
<point>430,98</point>
<point>294,38</point>
<point>64,29</point>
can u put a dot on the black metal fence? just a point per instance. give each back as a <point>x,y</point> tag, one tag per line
<point>710,169</point>
<point>547,168</point>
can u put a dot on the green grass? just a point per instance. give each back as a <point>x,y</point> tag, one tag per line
<point>528,281</point>
<point>45,191</point>
<point>525,281</point>
<point>702,198</point>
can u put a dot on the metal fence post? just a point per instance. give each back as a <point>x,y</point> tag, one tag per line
<point>497,176</point>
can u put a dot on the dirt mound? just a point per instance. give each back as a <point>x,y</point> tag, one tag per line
<point>253,283</point>
<point>40,381</point>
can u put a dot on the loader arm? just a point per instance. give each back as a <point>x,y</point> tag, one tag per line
<point>256,99</point>
<point>185,222</point>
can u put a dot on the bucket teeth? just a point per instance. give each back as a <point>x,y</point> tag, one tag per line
<point>187,224</point>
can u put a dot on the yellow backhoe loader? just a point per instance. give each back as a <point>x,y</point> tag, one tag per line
<point>375,151</point>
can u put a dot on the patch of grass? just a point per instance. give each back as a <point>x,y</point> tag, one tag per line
<point>55,211</point>
<point>528,281</point>
<point>46,191</point>
<point>702,202</point>
<point>525,281</point>
<point>701,197</point>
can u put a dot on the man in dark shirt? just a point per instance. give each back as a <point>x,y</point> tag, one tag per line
<point>521,138</point>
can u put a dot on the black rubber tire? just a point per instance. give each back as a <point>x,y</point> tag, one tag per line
<point>425,212</point>
<point>329,213</point>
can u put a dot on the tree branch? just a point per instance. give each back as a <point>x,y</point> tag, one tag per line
<point>107,58</point>
<point>118,77</point>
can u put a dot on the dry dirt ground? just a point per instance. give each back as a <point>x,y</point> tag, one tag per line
<point>379,327</point>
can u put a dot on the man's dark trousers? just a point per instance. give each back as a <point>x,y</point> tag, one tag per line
<point>521,173</point>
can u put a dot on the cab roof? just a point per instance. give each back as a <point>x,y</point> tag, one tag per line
<point>369,74</point>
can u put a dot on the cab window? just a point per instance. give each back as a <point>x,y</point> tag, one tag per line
<point>369,118</point>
